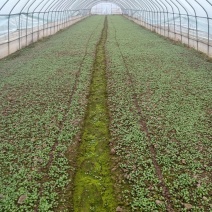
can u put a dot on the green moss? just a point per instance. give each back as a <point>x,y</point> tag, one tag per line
<point>93,185</point>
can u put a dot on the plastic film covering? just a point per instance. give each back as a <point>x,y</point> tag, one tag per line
<point>26,21</point>
<point>23,22</point>
<point>188,21</point>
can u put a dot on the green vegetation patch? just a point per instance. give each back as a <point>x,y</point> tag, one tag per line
<point>43,95</point>
<point>158,96</point>
<point>160,99</point>
<point>93,189</point>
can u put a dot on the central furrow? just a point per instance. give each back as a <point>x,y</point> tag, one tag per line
<point>93,190</point>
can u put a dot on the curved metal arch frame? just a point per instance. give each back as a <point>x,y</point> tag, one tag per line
<point>8,36</point>
<point>158,11</point>
<point>165,12</point>
<point>4,4</point>
<point>206,12</point>
<point>187,13</point>
<point>20,22</point>
<point>195,13</point>
<point>134,4</point>
<point>174,19</point>
<point>149,10</point>
<point>144,9</point>
<point>164,6</point>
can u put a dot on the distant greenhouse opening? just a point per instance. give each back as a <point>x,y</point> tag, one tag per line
<point>106,9</point>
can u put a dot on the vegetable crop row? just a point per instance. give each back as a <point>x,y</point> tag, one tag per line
<point>43,95</point>
<point>160,106</point>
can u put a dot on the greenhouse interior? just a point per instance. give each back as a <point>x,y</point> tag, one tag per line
<point>105,106</point>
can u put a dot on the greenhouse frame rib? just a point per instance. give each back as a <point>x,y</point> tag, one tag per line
<point>187,21</point>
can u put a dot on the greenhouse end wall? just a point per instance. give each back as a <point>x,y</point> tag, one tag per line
<point>29,36</point>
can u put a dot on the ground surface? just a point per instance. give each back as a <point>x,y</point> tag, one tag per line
<point>155,116</point>
<point>160,104</point>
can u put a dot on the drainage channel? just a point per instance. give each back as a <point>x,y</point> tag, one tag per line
<point>93,187</point>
